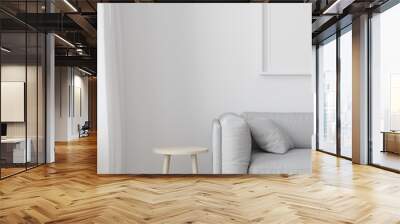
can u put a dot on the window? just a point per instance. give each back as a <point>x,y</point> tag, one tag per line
<point>385,89</point>
<point>327,96</point>
<point>335,94</point>
<point>395,102</point>
<point>22,77</point>
<point>346,93</point>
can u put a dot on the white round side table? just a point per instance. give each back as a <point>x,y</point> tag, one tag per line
<point>180,150</point>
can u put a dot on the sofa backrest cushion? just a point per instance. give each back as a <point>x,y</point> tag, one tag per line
<point>299,126</point>
<point>235,144</point>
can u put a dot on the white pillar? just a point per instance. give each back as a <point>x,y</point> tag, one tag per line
<point>360,90</point>
<point>110,142</point>
<point>50,99</point>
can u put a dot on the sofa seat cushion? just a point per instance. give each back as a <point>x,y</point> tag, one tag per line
<point>295,161</point>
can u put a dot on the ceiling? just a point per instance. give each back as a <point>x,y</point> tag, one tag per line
<point>76,21</point>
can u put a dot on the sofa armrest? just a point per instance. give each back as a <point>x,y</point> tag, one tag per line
<point>231,145</point>
<point>216,147</point>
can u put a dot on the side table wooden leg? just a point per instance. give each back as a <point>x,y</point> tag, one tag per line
<point>167,160</point>
<point>194,164</point>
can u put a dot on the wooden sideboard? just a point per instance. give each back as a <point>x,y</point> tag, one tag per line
<point>391,141</point>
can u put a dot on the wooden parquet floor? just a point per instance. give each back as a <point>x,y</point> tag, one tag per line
<point>69,191</point>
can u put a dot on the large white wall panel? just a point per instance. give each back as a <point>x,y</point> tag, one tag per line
<point>166,70</point>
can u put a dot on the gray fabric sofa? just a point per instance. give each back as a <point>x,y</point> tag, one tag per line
<point>231,152</point>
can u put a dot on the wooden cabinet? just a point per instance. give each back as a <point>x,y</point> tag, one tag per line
<point>391,142</point>
<point>287,39</point>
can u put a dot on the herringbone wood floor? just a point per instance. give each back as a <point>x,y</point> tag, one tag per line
<point>69,191</point>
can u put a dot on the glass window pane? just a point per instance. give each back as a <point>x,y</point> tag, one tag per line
<point>31,100</point>
<point>385,84</point>
<point>346,94</point>
<point>22,90</point>
<point>327,96</point>
<point>41,98</point>
<point>13,86</point>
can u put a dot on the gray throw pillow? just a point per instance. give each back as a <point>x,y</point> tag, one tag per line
<point>269,136</point>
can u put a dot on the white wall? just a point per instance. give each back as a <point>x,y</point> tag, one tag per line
<point>166,70</point>
<point>61,103</point>
<point>79,117</point>
<point>66,121</point>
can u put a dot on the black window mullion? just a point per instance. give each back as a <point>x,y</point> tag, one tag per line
<point>44,72</point>
<point>26,87</point>
<point>369,94</point>
<point>37,90</point>
<point>0,97</point>
<point>338,91</point>
<point>317,96</point>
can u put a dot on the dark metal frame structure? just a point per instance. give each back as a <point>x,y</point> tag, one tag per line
<point>339,28</point>
<point>31,30</point>
<point>334,37</point>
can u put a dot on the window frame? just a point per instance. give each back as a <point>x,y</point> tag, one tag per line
<point>334,37</point>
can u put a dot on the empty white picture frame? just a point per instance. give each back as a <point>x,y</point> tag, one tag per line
<point>12,101</point>
<point>287,39</point>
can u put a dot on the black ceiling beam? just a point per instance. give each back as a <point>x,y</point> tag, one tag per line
<point>383,6</point>
<point>4,14</point>
<point>323,23</point>
<point>340,21</point>
<point>8,24</point>
<point>90,70</point>
<point>333,28</point>
<point>202,1</point>
<point>49,22</point>
<point>87,51</point>
<point>91,5</point>
<point>81,61</point>
<point>224,1</point>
